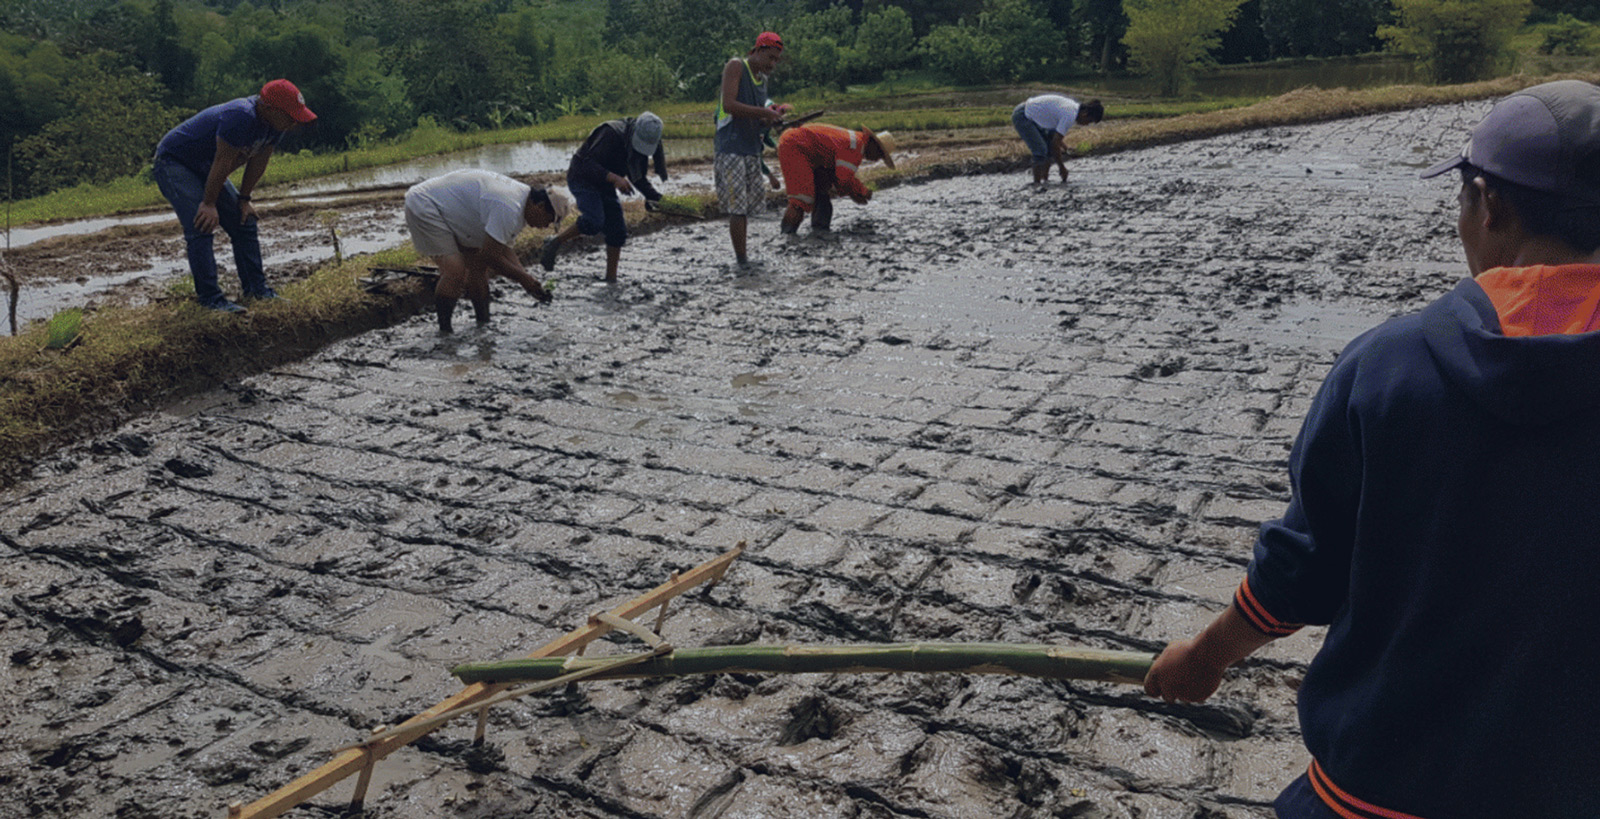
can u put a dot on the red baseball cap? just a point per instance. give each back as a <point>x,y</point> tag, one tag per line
<point>282,95</point>
<point>769,40</point>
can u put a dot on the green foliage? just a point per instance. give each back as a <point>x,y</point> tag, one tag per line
<point>1456,40</point>
<point>63,329</point>
<point>1318,28</point>
<point>1570,37</point>
<point>693,38</point>
<point>819,48</point>
<point>31,89</point>
<point>884,41</point>
<point>963,52</point>
<point>112,127</point>
<point>635,82</point>
<point>1105,23</point>
<point>1168,39</point>
<point>1546,11</point>
<point>1025,39</point>
<point>1011,40</point>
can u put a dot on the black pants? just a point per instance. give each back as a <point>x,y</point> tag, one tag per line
<point>823,180</point>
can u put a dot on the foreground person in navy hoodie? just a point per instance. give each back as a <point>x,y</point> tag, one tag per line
<point>1445,521</point>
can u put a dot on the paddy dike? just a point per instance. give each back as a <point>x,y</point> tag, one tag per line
<point>977,411</point>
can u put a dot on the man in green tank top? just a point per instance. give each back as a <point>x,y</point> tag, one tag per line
<point>743,113</point>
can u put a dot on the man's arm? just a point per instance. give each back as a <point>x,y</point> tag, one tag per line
<point>730,96</point>
<point>1057,142</point>
<point>1191,670</point>
<point>222,164</point>
<point>503,260</point>
<point>253,170</point>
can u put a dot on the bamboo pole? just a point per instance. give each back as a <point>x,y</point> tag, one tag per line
<point>1052,662</point>
<point>351,760</point>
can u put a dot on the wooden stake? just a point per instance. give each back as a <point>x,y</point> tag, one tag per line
<point>365,780</point>
<point>351,760</point>
<point>662,617</point>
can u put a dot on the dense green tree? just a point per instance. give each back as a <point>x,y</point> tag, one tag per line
<point>456,64</point>
<point>1168,39</point>
<point>1456,40</point>
<point>31,88</point>
<point>113,123</point>
<point>695,38</point>
<point>1026,43</point>
<point>1322,28</point>
<point>1568,36</point>
<point>160,52</point>
<point>1245,41</point>
<point>926,14</point>
<point>884,41</point>
<point>819,48</point>
<point>1548,11</point>
<point>1105,23</point>
<point>962,51</point>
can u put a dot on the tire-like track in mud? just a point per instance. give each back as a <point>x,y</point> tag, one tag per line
<point>977,412</point>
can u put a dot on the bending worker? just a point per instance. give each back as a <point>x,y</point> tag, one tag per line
<point>1043,123</point>
<point>192,165</point>
<point>466,220</point>
<point>816,159</point>
<point>613,160</point>
<point>1442,521</point>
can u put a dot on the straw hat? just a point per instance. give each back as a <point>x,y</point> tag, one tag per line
<point>885,142</point>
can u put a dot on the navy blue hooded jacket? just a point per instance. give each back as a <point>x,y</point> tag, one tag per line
<point>1445,524</point>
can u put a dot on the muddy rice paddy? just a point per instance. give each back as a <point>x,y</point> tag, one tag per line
<point>977,411</point>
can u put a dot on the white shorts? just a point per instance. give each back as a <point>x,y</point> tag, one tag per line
<point>429,233</point>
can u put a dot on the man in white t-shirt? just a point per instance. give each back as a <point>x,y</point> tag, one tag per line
<point>1043,122</point>
<point>466,221</point>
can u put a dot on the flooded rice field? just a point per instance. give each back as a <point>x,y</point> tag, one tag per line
<point>977,411</point>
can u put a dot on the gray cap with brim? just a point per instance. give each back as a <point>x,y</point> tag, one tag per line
<point>1546,138</point>
<point>646,133</point>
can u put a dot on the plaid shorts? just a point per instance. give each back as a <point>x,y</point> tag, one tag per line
<point>741,187</point>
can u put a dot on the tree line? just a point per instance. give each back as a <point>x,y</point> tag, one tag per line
<point>87,87</point>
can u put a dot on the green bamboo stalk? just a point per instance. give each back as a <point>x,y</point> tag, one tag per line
<point>1051,662</point>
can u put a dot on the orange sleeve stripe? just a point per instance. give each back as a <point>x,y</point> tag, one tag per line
<point>1343,803</point>
<point>1258,615</point>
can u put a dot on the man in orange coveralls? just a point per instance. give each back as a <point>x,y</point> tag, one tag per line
<point>816,159</point>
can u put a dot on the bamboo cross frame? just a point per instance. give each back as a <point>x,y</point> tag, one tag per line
<point>362,757</point>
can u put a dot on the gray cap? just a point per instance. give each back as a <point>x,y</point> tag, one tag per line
<point>646,133</point>
<point>1546,138</point>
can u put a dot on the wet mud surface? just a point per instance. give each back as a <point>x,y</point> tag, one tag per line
<point>977,411</point>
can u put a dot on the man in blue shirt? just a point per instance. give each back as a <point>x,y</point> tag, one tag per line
<point>192,165</point>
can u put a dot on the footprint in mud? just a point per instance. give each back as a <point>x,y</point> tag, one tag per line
<point>1163,366</point>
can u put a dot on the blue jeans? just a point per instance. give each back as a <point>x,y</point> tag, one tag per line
<point>1036,138</point>
<point>602,212</point>
<point>186,189</point>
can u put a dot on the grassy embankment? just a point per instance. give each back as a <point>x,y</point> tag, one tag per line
<point>130,359</point>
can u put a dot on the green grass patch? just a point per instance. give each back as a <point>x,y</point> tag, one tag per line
<point>128,358</point>
<point>63,329</point>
